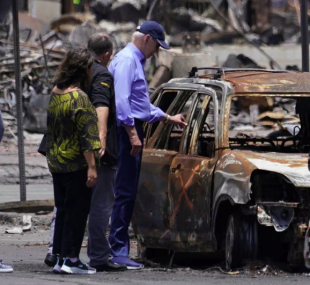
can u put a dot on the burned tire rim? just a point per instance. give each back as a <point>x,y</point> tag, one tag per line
<point>230,241</point>
<point>241,240</point>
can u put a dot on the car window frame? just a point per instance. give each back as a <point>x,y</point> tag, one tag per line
<point>156,102</point>
<point>200,120</point>
<point>181,87</point>
<point>189,115</point>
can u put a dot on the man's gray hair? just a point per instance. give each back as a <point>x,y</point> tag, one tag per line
<point>99,43</point>
<point>137,35</point>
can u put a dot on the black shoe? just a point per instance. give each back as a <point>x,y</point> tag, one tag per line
<point>50,260</point>
<point>110,266</point>
<point>77,267</point>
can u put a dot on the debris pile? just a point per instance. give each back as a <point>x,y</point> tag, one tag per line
<point>190,26</point>
<point>263,114</point>
<point>25,226</point>
<point>38,68</point>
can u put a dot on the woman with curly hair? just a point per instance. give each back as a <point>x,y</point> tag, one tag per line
<point>71,143</point>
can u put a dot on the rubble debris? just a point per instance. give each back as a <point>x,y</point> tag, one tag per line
<point>14,230</point>
<point>271,116</point>
<point>80,34</point>
<point>100,9</point>
<point>240,61</point>
<point>187,20</point>
<point>66,23</point>
<point>26,225</point>
<point>162,75</point>
<point>189,27</point>
<point>26,222</point>
<point>126,11</point>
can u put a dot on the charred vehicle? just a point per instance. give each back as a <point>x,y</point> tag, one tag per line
<point>229,182</point>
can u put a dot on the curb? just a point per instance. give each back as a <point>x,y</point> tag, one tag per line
<point>41,212</point>
<point>32,206</point>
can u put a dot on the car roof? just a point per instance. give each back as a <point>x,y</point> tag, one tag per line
<point>264,81</point>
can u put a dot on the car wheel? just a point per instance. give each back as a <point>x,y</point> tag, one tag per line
<point>241,240</point>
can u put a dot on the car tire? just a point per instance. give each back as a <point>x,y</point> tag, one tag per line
<point>240,240</point>
<point>144,252</point>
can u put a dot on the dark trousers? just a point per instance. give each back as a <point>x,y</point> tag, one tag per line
<point>72,200</point>
<point>102,202</point>
<point>125,192</point>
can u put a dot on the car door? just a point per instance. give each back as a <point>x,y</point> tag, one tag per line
<point>151,217</point>
<point>191,175</point>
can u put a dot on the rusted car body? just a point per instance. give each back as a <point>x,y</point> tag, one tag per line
<point>216,187</point>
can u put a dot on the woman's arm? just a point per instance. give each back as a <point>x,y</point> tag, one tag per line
<point>91,173</point>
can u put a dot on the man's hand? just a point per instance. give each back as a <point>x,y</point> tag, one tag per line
<point>103,146</point>
<point>134,140</point>
<point>177,120</point>
<point>103,114</point>
<point>136,145</point>
<point>91,177</point>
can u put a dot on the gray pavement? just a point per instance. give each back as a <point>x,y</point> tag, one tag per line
<point>26,251</point>
<point>36,170</point>
<point>39,181</point>
<point>11,193</point>
<point>30,270</point>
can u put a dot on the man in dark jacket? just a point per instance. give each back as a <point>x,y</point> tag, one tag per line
<point>3,268</point>
<point>101,95</point>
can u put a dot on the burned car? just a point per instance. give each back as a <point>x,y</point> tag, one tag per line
<point>235,180</point>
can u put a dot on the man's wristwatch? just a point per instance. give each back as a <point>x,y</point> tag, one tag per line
<point>167,119</point>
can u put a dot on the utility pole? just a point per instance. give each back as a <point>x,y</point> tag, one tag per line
<point>304,35</point>
<point>19,103</point>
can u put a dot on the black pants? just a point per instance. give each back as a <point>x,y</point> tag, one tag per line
<point>72,200</point>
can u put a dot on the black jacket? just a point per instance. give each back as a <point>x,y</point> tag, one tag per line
<point>101,94</point>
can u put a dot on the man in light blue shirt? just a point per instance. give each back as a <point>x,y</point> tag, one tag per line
<point>133,108</point>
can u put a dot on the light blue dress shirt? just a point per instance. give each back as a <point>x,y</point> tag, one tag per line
<point>131,91</point>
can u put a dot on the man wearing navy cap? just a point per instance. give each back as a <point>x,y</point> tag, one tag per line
<point>133,108</point>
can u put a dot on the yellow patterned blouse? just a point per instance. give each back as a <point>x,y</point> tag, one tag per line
<point>72,128</point>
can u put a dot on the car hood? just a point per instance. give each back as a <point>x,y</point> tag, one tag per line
<point>293,166</point>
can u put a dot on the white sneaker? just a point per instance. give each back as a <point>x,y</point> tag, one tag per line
<point>58,265</point>
<point>5,268</point>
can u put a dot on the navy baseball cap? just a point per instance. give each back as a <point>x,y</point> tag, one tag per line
<point>155,30</point>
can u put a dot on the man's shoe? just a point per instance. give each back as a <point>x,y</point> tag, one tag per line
<point>110,266</point>
<point>5,268</point>
<point>59,264</point>
<point>123,260</point>
<point>77,267</point>
<point>50,260</point>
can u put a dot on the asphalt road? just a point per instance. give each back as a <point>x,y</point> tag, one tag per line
<point>27,251</point>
